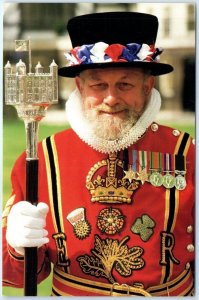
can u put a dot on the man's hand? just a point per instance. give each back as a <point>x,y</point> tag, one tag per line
<point>25,226</point>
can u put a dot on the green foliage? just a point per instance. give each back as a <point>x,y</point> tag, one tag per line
<point>14,142</point>
<point>43,289</point>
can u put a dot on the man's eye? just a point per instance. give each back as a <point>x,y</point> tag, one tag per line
<point>99,86</point>
<point>125,86</point>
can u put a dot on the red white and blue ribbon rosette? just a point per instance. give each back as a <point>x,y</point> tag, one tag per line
<point>103,53</point>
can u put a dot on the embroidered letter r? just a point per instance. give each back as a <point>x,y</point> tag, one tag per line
<point>167,245</point>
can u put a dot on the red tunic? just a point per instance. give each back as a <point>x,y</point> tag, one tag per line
<point>112,247</point>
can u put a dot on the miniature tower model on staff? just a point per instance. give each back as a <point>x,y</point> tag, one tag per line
<point>24,89</point>
<point>31,94</point>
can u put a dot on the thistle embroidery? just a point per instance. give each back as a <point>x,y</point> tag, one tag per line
<point>81,226</point>
<point>109,254</point>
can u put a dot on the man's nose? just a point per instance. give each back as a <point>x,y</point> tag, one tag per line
<point>111,97</point>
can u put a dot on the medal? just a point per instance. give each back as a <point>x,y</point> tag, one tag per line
<point>143,176</point>
<point>156,167</point>
<point>142,173</point>
<point>180,182</point>
<point>81,227</point>
<point>180,171</point>
<point>168,179</point>
<point>110,221</point>
<point>156,179</point>
<point>130,175</point>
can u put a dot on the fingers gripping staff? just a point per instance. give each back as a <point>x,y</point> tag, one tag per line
<point>31,107</point>
<point>26,226</point>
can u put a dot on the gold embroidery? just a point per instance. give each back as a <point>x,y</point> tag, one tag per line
<point>110,220</point>
<point>82,229</point>
<point>109,254</point>
<point>167,245</point>
<point>81,226</point>
<point>111,188</point>
<point>60,240</point>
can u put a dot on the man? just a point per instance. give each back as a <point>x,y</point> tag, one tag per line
<point>116,192</point>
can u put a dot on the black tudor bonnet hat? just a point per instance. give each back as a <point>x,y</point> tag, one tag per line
<point>113,39</point>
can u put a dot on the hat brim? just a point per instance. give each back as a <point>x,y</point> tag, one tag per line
<point>156,68</point>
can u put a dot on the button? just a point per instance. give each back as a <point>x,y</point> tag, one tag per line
<point>187,266</point>
<point>176,132</point>
<point>189,229</point>
<point>154,127</point>
<point>193,141</point>
<point>190,248</point>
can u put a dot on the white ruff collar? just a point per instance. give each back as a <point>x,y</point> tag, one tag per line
<point>82,128</point>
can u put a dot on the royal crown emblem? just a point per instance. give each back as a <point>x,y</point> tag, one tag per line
<point>107,183</point>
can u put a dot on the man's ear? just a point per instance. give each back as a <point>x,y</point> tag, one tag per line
<point>78,83</point>
<point>149,84</point>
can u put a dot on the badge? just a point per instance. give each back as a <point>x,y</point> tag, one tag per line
<point>107,184</point>
<point>143,226</point>
<point>143,176</point>
<point>81,227</point>
<point>130,175</point>
<point>168,181</point>
<point>110,221</point>
<point>112,256</point>
<point>180,182</point>
<point>180,171</point>
<point>156,179</point>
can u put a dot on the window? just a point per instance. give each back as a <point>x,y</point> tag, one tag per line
<point>166,23</point>
<point>191,17</point>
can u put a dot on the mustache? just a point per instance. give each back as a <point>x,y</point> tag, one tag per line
<point>114,109</point>
<point>117,108</point>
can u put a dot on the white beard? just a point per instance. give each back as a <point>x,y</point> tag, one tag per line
<point>108,127</point>
<point>106,134</point>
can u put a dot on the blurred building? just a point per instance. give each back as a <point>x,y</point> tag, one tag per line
<point>177,36</point>
<point>45,25</point>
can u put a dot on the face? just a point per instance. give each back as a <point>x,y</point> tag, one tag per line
<point>114,99</point>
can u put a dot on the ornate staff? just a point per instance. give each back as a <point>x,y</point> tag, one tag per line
<point>31,94</point>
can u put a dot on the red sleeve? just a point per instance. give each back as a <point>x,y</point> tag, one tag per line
<point>13,263</point>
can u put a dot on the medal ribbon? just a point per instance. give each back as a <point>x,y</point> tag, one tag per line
<point>151,162</point>
<point>167,162</point>
<point>134,162</point>
<point>160,161</point>
<point>180,164</point>
<point>155,161</point>
<point>142,160</point>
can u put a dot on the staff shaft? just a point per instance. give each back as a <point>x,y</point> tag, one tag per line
<point>30,262</point>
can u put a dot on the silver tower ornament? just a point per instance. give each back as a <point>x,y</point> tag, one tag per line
<point>31,94</point>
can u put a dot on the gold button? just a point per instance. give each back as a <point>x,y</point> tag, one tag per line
<point>190,248</point>
<point>176,132</point>
<point>154,127</point>
<point>189,229</point>
<point>187,267</point>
